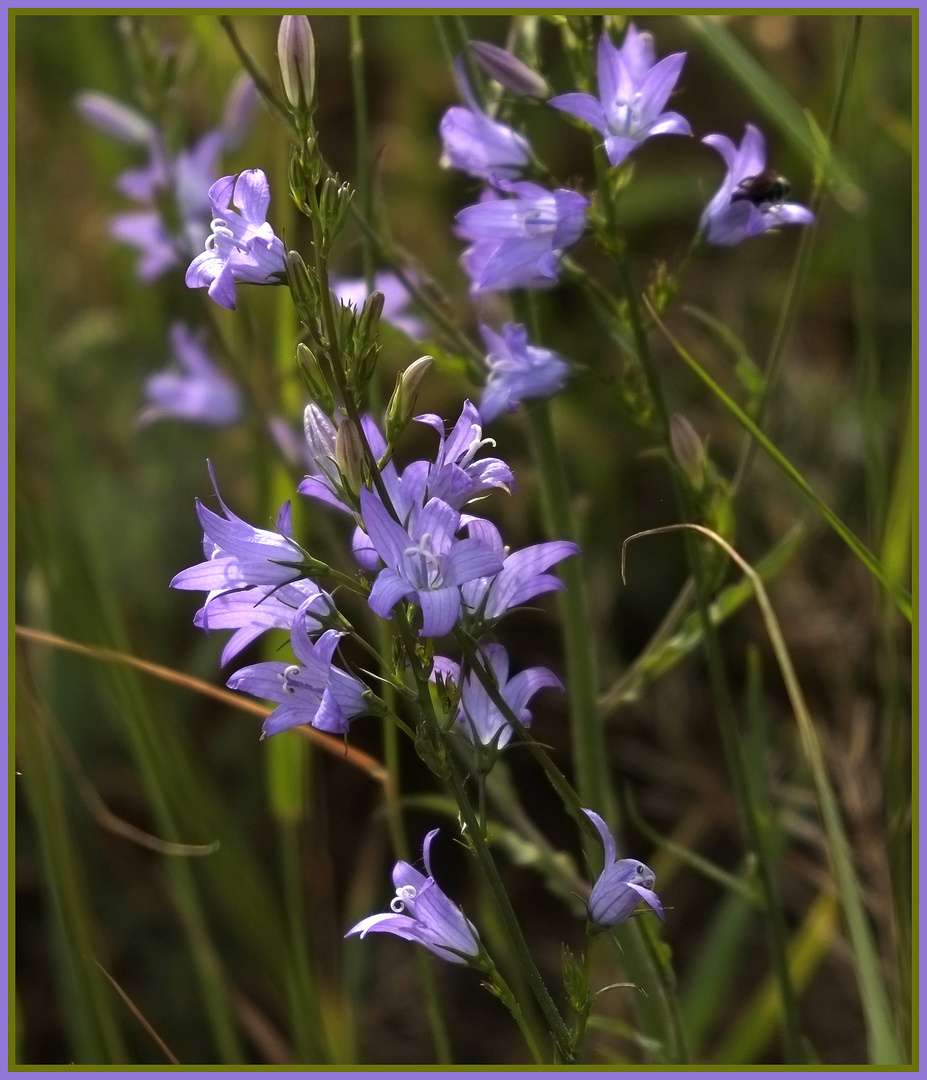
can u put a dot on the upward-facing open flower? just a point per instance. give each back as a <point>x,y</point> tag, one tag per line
<point>421,912</point>
<point>312,692</point>
<point>477,144</point>
<point>622,884</point>
<point>426,564</point>
<point>517,243</point>
<point>242,245</point>
<point>239,555</point>
<point>751,200</point>
<point>480,720</point>
<point>198,392</point>
<point>517,371</point>
<point>633,88</point>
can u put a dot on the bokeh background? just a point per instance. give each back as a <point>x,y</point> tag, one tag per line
<point>104,519</point>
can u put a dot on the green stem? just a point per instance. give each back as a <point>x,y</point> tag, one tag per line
<point>483,856</point>
<point>727,722</point>
<point>501,989</point>
<point>591,761</point>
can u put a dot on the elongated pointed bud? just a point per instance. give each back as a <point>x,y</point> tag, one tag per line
<point>349,453</point>
<point>687,447</point>
<point>311,371</point>
<point>301,287</point>
<point>508,70</point>
<point>296,56</point>
<point>402,403</point>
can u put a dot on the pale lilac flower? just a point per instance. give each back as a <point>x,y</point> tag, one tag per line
<point>509,71</point>
<point>517,371</point>
<point>522,577</point>
<point>518,242</point>
<point>198,392</point>
<point>633,88</point>
<point>426,564</point>
<point>396,300</point>
<point>238,555</point>
<point>242,246</point>
<point>622,884</point>
<point>252,612</point>
<point>477,144</point>
<point>312,692</point>
<point>456,476</point>
<point>422,912</point>
<point>479,719</point>
<point>743,207</point>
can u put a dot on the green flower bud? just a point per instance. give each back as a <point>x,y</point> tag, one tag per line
<point>349,454</point>
<point>302,289</point>
<point>687,447</point>
<point>402,403</point>
<point>311,371</point>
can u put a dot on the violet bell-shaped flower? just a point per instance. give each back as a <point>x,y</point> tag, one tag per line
<point>633,88</point>
<point>522,577</point>
<point>479,719</point>
<point>242,246</point>
<point>421,912</point>
<point>312,692</point>
<point>252,612</point>
<point>457,476</point>
<point>477,144</point>
<point>199,392</point>
<point>239,555</point>
<point>517,243</point>
<point>517,371</point>
<point>751,199</point>
<point>622,884</point>
<point>426,564</point>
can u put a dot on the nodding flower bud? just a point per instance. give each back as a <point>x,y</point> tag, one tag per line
<point>687,447</point>
<point>402,403</point>
<point>508,70</point>
<point>349,453</point>
<point>296,56</point>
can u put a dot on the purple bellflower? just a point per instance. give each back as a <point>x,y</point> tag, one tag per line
<point>198,392</point>
<point>633,88</point>
<point>479,719</point>
<point>252,612</point>
<point>396,300</point>
<point>455,476</point>
<point>521,578</point>
<point>242,246</point>
<point>750,201</point>
<point>238,555</point>
<point>312,692</point>
<point>517,371</point>
<point>426,564</point>
<point>477,144</point>
<point>422,912</point>
<point>622,884</point>
<point>517,243</point>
